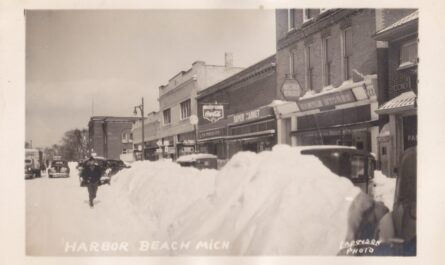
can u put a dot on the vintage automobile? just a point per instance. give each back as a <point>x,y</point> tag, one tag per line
<point>59,168</point>
<point>114,166</point>
<point>29,172</point>
<point>356,165</point>
<point>199,161</point>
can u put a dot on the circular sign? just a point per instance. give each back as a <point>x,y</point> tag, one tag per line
<point>193,119</point>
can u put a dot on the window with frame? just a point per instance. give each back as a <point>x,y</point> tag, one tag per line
<point>347,53</point>
<point>291,64</point>
<point>186,109</point>
<point>310,13</point>
<point>408,54</point>
<point>310,54</point>
<point>328,58</point>
<point>124,137</point>
<point>290,19</point>
<point>167,116</point>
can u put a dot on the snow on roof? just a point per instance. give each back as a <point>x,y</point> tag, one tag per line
<point>194,157</point>
<point>404,20</point>
<point>404,101</point>
<point>319,147</point>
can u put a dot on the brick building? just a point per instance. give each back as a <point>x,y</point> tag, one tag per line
<point>397,37</point>
<point>235,114</point>
<point>177,102</point>
<point>110,136</point>
<point>327,64</point>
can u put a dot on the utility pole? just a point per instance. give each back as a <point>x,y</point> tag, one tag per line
<point>141,109</point>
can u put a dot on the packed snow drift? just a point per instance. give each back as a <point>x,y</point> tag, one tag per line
<point>276,202</point>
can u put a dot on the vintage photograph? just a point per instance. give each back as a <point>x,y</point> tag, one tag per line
<point>221,132</point>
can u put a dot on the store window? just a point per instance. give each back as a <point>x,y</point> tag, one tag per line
<point>167,116</point>
<point>408,54</point>
<point>290,19</point>
<point>186,109</point>
<point>347,53</point>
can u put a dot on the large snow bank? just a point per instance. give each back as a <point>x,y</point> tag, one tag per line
<point>160,190</point>
<point>384,189</point>
<point>274,203</point>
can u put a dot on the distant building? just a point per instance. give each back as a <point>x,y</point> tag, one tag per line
<point>111,136</point>
<point>152,134</point>
<point>177,102</point>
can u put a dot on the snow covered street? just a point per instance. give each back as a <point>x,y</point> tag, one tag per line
<point>59,219</point>
<point>258,204</point>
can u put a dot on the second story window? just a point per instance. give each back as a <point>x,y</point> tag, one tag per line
<point>167,116</point>
<point>186,109</point>
<point>310,67</point>
<point>347,53</point>
<point>327,58</point>
<point>408,54</point>
<point>310,13</point>
<point>290,19</point>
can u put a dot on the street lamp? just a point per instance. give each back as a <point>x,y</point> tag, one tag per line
<point>141,109</point>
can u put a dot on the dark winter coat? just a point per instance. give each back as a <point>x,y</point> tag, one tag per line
<point>91,174</point>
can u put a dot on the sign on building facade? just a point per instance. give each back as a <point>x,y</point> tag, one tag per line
<point>213,113</point>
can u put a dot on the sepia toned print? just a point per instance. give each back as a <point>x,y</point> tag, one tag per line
<point>287,132</point>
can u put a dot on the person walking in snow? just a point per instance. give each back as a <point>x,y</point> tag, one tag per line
<point>91,173</point>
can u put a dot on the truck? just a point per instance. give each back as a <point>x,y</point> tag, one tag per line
<point>33,163</point>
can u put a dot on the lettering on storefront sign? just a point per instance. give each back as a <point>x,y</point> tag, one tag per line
<point>326,100</point>
<point>211,133</point>
<point>402,82</point>
<point>213,113</point>
<point>250,115</point>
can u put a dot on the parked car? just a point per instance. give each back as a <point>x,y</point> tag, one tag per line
<point>397,229</point>
<point>199,161</point>
<point>114,166</point>
<point>59,168</point>
<point>33,163</point>
<point>29,172</point>
<point>356,165</point>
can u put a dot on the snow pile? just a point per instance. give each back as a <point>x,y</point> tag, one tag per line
<point>160,190</point>
<point>276,202</point>
<point>384,189</point>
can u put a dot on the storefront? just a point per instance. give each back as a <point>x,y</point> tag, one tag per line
<point>150,150</point>
<point>185,143</point>
<point>342,116</point>
<point>253,131</point>
<point>212,141</point>
<point>400,133</point>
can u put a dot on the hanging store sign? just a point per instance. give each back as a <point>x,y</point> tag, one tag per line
<point>326,100</point>
<point>213,113</point>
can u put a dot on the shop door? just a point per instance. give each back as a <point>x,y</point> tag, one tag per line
<point>385,157</point>
<point>250,147</point>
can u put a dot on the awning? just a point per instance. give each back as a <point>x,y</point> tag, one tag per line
<point>404,102</point>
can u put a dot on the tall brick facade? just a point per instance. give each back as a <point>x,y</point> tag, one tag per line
<point>333,57</point>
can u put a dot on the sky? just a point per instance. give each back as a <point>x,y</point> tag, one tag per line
<point>81,63</point>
